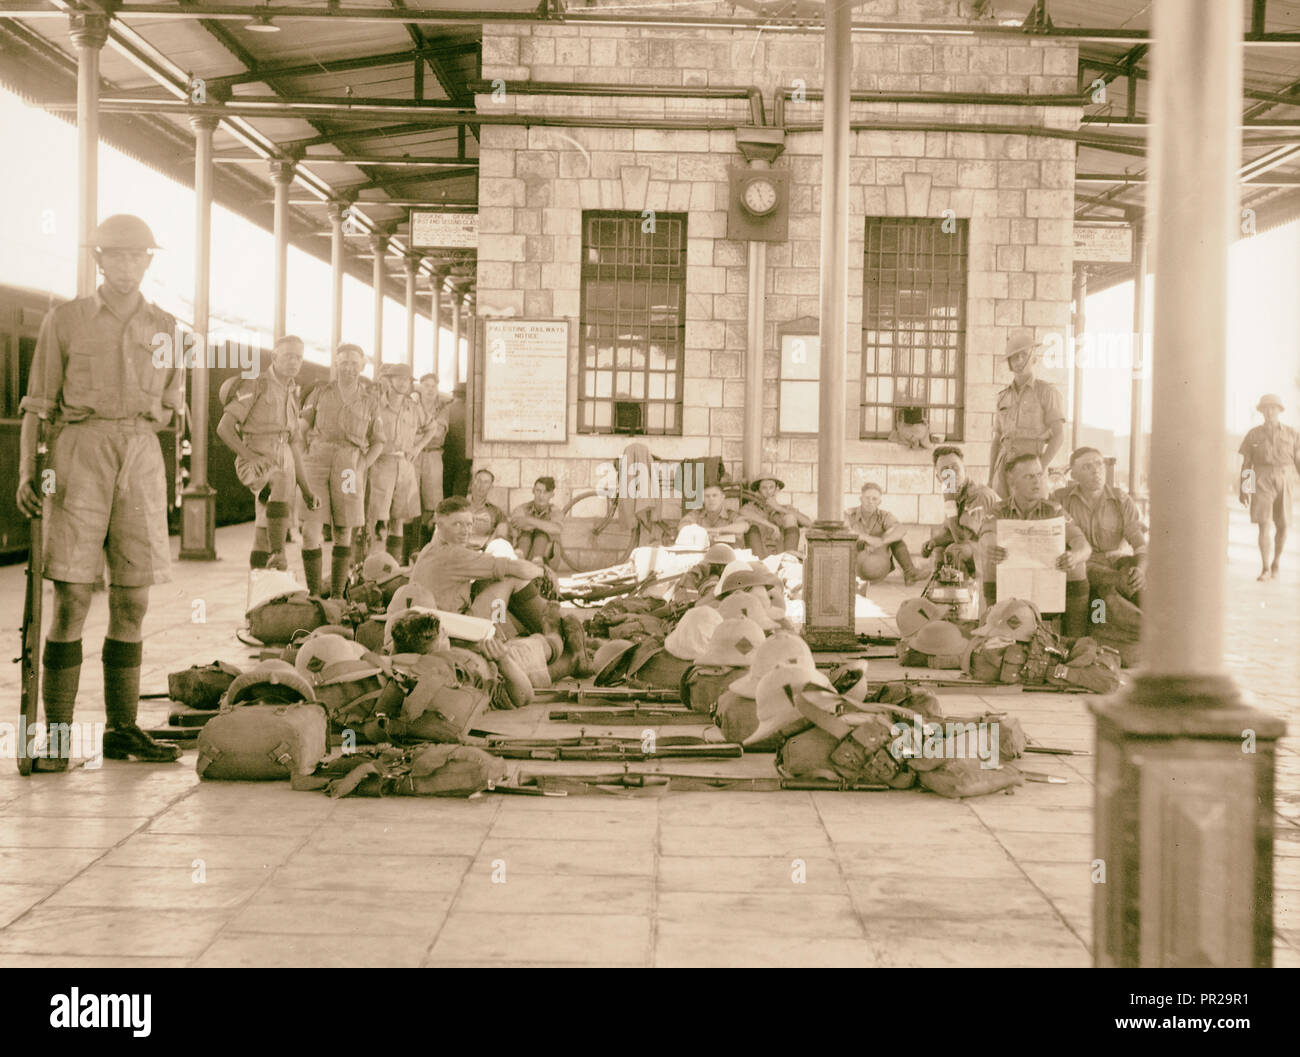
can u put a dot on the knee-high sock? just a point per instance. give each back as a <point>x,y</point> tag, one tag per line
<point>901,555</point>
<point>1075,621</point>
<point>121,681</point>
<point>311,567</point>
<point>790,538</point>
<point>277,525</point>
<point>754,538</point>
<point>531,608</point>
<point>342,562</point>
<point>60,677</point>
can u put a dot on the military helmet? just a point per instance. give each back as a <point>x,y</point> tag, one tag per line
<point>268,681</point>
<point>379,567</point>
<point>611,661</point>
<point>784,649</point>
<point>741,604</point>
<point>719,554</point>
<point>914,613</point>
<point>319,652</point>
<point>690,638</point>
<point>1270,400</point>
<point>123,232</point>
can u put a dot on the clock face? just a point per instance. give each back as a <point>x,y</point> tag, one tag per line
<point>759,197</point>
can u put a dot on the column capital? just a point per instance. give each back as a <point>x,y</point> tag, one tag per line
<point>204,122</point>
<point>413,262</point>
<point>335,211</point>
<point>89,30</point>
<point>281,169</point>
<point>379,243</point>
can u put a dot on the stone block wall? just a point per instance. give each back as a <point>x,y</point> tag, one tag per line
<point>1016,190</point>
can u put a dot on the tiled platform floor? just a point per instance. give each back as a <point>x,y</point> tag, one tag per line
<point>134,865</point>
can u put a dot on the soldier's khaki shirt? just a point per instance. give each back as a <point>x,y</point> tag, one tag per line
<point>401,424</point>
<point>1106,523</point>
<point>1028,413</point>
<point>89,362</point>
<point>876,523</point>
<point>1039,511</point>
<point>1271,446</point>
<point>332,420</point>
<point>266,411</point>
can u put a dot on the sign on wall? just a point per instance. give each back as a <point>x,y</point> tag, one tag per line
<point>797,406</point>
<point>525,380</point>
<point>435,230</point>
<point>1103,243</point>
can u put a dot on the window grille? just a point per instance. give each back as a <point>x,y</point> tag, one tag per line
<point>633,322</point>
<point>914,325</point>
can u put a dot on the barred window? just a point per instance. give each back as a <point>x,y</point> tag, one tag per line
<point>633,323</point>
<point>914,326</point>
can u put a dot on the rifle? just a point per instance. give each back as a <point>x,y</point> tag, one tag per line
<point>612,696</point>
<point>30,659</point>
<point>635,783</point>
<point>614,749</point>
<point>634,716</point>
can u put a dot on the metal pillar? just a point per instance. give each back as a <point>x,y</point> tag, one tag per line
<point>379,247</point>
<point>753,414</point>
<point>199,500</point>
<point>471,365</point>
<point>281,177</point>
<point>412,270</point>
<point>829,580</point>
<point>436,312</point>
<point>1139,355</point>
<point>1184,812</point>
<point>89,33</point>
<point>1080,325</point>
<point>336,279</point>
<point>456,299</point>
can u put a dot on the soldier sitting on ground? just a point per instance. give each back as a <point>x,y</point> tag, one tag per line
<point>880,539</point>
<point>721,519</point>
<point>966,505</point>
<point>1111,523</point>
<point>535,523</point>
<point>773,525</point>
<point>489,520</point>
<point>260,425</point>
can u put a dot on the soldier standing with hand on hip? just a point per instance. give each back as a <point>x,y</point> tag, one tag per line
<point>1266,453</point>
<point>344,438</point>
<point>96,379</point>
<point>394,488</point>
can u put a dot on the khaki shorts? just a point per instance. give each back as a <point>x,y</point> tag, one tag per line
<point>109,499</point>
<point>430,466</point>
<point>335,475</point>
<point>1271,500</point>
<point>279,474</point>
<point>394,492</point>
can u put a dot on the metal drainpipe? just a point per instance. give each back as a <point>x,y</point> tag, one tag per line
<point>1080,324</point>
<point>753,414</point>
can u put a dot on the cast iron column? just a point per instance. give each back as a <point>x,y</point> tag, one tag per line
<point>199,501</point>
<point>1184,815</point>
<point>379,247</point>
<point>89,33</point>
<point>412,270</point>
<point>336,279</point>
<point>1080,325</point>
<point>281,178</point>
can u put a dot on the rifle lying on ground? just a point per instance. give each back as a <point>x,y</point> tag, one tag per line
<point>616,749</point>
<point>628,717</point>
<point>634,783</point>
<point>613,696</point>
<point>30,658</point>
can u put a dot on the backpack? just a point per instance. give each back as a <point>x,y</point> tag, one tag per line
<point>423,770</point>
<point>202,685</point>
<point>736,715</point>
<point>1089,666</point>
<point>657,669</point>
<point>262,742</point>
<point>701,685</point>
<point>441,696</point>
<point>275,622</point>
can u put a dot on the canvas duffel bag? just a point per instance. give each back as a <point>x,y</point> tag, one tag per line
<point>443,704</point>
<point>736,715</point>
<point>202,685</point>
<point>1089,666</point>
<point>962,778</point>
<point>424,770</point>
<point>702,685</point>
<point>657,669</point>
<point>262,742</point>
<point>275,622</point>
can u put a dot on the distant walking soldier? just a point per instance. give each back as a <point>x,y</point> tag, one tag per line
<point>260,425</point>
<point>344,438</point>
<point>95,378</point>
<point>394,487</point>
<point>433,405</point>
<point>1030,416</point>
<point>1267,452</point>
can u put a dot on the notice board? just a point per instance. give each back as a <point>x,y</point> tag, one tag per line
<point>526,380</point>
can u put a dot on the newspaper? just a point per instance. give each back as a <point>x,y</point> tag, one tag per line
<point>1029,571</point>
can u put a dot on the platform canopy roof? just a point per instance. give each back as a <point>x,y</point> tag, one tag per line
<point>374,100</point>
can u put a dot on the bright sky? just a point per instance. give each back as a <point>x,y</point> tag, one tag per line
<point>36,251</point>
<point>1263,352</point>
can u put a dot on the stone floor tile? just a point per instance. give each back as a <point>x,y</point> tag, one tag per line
<point>145,887</point>
<point>798,842</point>
<point>939,953</point>
<point>762,951</point>
<point>81,961</point>
<point>391,873</point>
<point>86,802</point>
<point>725,914</point>
<point>199,816</point>
<point>749,873</point>
<point>564,857</point>
<point>1047,847</point>
<point>1024,817</point>
<point>320,912</point>
<point>588,938</point>
<point>264,950</point>
<point>983,860</point>
<point>897,829</point>
<point>109,933</point>
<point>44,866</point>
<point>17,899</point>
<point>179,850</point>
<point>943,898</point>
<point>51,831</point>
<point>540,893</point>
<point>388,838</point>
<point>739,809</point>
<point>560,824</point>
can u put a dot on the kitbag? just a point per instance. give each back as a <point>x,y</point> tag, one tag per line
<point>656,668</point>
<point>443,696</point>
<point>262,742</point>
<point>857,742</point>
<point>274,622</point>
<point>737,716</point>
<point>202,685</point>
<point>423,770</point>
<point>702,685</point>
<point>1089,666</point>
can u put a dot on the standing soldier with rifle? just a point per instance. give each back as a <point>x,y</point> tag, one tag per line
<point>95,380</point>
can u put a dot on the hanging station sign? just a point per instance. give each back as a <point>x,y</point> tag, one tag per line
<point>431,230</point>
<point>1103,244</point>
